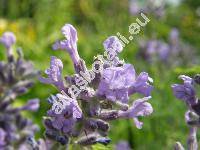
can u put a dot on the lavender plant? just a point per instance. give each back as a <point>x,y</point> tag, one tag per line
<point>187,92</point>
<point>90,99</point>
<point>16,78</point>
<point>173,52</point>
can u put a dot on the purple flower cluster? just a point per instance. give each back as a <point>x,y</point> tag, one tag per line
<point>187,92</point>
<point>150,7</point>
<point>174,51</point>
<point>16,78</point>
<point>103,96</point>
<point>118,83</point>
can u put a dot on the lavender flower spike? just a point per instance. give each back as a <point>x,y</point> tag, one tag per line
<point>16,78</point>
<point>83,118</point>
<point>70,43</point>
<point>187,93</point>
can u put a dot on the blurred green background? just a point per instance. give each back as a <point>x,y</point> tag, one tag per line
<point>37,24</point>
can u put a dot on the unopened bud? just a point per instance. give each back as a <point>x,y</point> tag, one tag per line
<point>196,108</point>
<point>48,124</point>
<point>87,140</point>
<point>197,78</point>
<point>109,115</point>
<point>91,124</point>
<point>62,140</point>
<point>103,140</point>
<point>102,125</point>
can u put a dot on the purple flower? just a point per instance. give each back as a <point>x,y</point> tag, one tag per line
<point>113,44</point>
<point>141,85</point>
<point>185,91</point>
<point>118,83</point>
<point>8,39</point>
<point>64,121</point>
<point>54,73</point>
<point>70,112</point>
<point>70,43</point>
<point>139,107</point>
<point>72,103</point>
<point>115,83</point>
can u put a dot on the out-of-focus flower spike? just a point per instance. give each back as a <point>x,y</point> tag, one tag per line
<point>16,77</point>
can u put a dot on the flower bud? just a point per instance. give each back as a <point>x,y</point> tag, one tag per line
<point>103,140</point>
<point>91,125</point>
<point>197,79</point>
<point>48,124</point>
<point>102,125</point>
<point>62,139</point>
<point>196,108</point>
<point>109,115</point>
<point>87,140</point>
